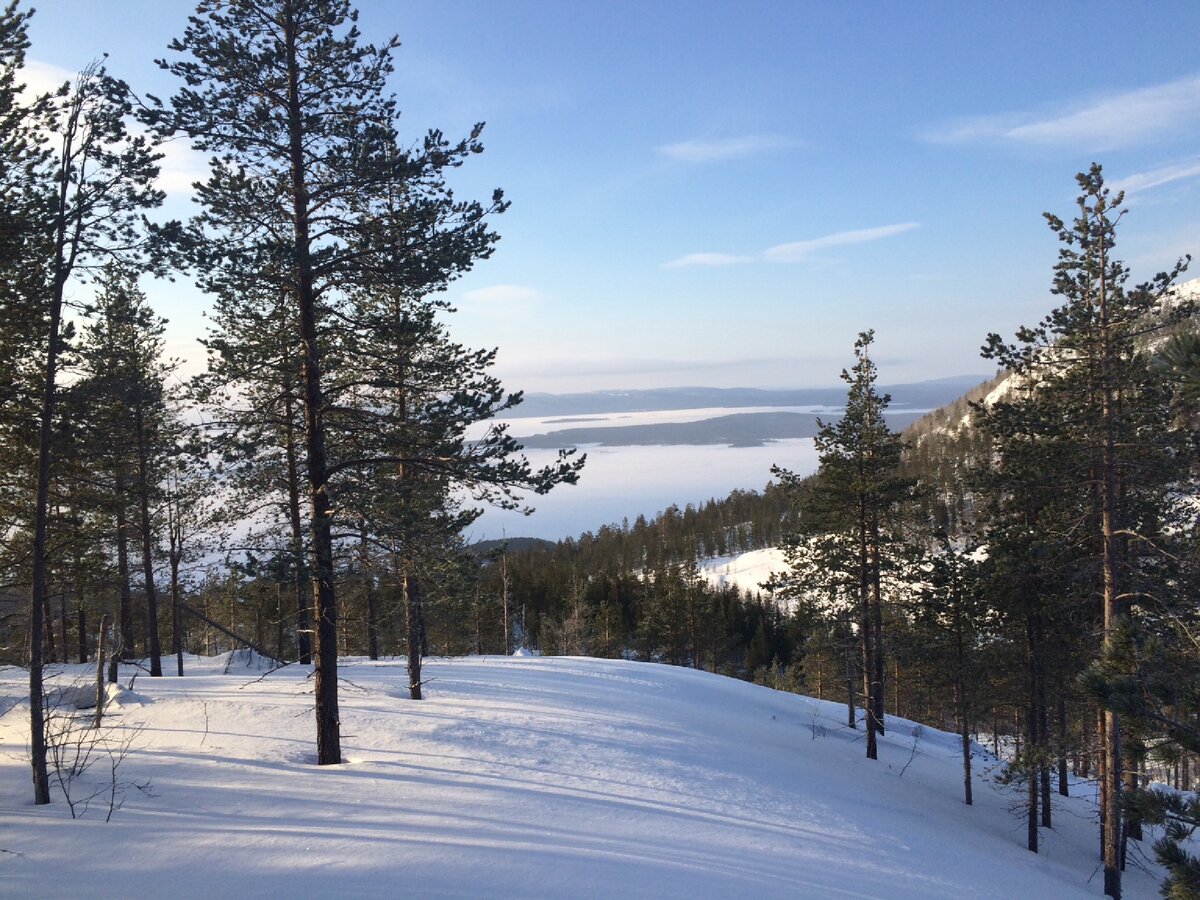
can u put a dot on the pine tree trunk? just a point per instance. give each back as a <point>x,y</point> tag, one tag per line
<point>303,635</point>
<point>62,614</point>
<point>147,541</point>
<point>1043,730</point>
<point>1111,790</point>
<point>1031,820</point>
<point>960,699</point>
<point>176,630</point>
<point>369,588</point>
<point>1063,788</point>
<point>124,650</point>
<point>412,628</point>
<point>851,707</point>
<point>1102,776</point>
<point>50,650</point>
<point>100,691</point>
<point>865,634</point>
<point>1133,827</point>
<point>41,502</point>
<point>1031,739</point>
<point>504,597</point>
<point>81,624</point>
<point>329,745</point>
<point>964,726</point>
<point>877,653</point>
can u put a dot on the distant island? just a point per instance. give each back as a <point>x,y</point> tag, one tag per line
<point>923,394</point>
<point>736,430</point>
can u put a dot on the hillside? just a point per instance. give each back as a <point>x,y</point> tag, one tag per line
<point>527,777</point>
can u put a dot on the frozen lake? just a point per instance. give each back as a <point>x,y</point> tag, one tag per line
<point>620,482</point>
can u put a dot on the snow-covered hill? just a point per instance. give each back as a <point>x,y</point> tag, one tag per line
<point>527,777</point>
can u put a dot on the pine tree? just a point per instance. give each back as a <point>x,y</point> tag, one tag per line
<point>949,613</point>
<point>254,421</point>
<point>294,110</point>
<point>124,383</point>
<point>93,183</point>
<point>846,518</point>
<point>1091,423</point>
<point>311,197</point>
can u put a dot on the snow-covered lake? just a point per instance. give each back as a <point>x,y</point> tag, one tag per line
<point>623,482</point>
<point>528,425</point>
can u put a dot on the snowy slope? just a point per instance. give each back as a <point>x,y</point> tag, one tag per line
<point>527,777</point>
<point>745,571</point>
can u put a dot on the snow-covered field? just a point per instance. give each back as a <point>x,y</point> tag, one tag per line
<point>526,777</point>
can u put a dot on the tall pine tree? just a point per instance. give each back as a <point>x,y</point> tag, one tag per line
<point>1093,416</point>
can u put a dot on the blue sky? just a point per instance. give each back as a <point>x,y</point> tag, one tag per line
<point>725,193</point>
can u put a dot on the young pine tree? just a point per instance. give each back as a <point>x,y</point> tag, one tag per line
<point>846,518</point>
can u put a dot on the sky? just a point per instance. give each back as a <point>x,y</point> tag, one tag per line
<point>726,193</point>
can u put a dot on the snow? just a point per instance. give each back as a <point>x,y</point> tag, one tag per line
<point>744,571</point>
<point>530,777</point>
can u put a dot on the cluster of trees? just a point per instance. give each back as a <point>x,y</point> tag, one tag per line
<point>1048,560</point>
<point>329,430</point>
<point>632,590</point>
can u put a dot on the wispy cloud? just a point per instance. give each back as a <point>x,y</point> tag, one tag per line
<point>796,251</point>
<point>180,165</point>
<point>711,260</point>
<point>1104,122</point>
<point>42,77</point>
<point>704,151</point>
<point>1144,181</point>
<point>799,250</point>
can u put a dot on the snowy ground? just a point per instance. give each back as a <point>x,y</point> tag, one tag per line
<point>527,777</point>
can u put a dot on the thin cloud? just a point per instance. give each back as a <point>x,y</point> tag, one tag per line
<point>799,250</point>
<point>1144,181</point>
<point>180,168</point>
<point>1106,122</point>
<point>707,260</point>
<point>796,251</point>
<point>43,78</point>
<point>705,151</point>
<point>180,165</point>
